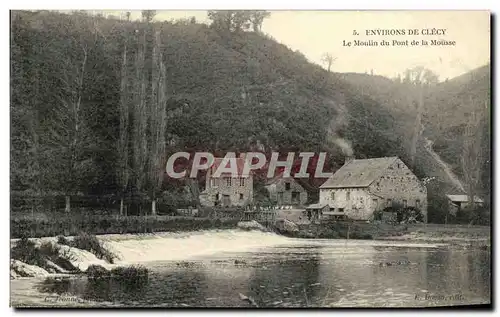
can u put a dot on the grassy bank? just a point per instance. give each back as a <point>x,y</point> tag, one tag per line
<point>384,231</point>
<point>446,233</point>
<point>347,230</point>
<point>72,225</point>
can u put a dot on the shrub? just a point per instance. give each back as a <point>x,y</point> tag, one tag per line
<point>54,285</point>
<point>62,240</point>
<point>96,271</point>
<point>131,274</point>
<point>26,251</point>
<point>90,243</point>
<point>49,250</point>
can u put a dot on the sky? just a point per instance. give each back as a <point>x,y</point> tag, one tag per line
<point>317,32</point>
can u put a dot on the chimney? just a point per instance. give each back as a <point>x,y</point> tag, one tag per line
<point>348,159</point>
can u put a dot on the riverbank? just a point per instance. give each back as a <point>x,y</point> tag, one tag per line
<point>71,225</point>
<point>453,235</point>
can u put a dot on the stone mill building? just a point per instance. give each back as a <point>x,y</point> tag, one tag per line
<point>361,187</point>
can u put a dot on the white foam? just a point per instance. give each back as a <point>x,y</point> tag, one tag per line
<point>175,247</point>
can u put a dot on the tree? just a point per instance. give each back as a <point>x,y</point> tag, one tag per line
<point>257,18</point>
<point>123,139</point>
<point>148,15</point>
<point>140,116</point>
<point>229,21</point>
<point>419,79</point>
<point>473,152</point>
<point>157,123</point>
<point>328,59</point>
<point>69,131</point>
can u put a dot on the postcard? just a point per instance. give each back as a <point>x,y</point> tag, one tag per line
<point>251,158</point>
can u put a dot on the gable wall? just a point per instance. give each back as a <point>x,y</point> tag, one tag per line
<point>279,186</point>
<point>398,183</point>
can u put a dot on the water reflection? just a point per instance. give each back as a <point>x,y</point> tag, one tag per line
<point>325,274</point>
<point>293,282</point>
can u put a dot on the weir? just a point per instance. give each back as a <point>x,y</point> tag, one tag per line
<point>183,246</point>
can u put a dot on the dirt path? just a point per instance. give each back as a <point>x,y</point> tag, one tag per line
<point>447,169</point>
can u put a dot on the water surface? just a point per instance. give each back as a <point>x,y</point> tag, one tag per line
<point>303,273</point>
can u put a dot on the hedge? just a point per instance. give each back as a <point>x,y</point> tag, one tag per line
<point>73,225</point>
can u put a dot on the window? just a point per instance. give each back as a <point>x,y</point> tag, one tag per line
<point>333,195</point>
<point>417,203</point>
<point>405,203</point>
<point>341,209</point>
<point>213,182</point>
<point>241,196</point>
<point>287,186</point>
<point>348,195</point>
<point>242,181</point>
<point>228,181</point>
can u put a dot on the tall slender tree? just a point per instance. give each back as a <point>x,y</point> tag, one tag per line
<point>473,152</point>
<point>139,140</point>
<point>123,139</point>
<point>418,79</point>
<point>69,133</point>
<point>157,120</point>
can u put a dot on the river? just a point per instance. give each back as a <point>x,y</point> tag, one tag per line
<point>281,272</point>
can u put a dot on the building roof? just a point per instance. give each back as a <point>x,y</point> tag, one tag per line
<point>359,173</point>
<point>316,206</point>
<point>240,163</point>
<point>463,198</point>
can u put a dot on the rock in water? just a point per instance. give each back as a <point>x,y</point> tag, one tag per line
<point>56,268</point>
<point>80,259</point>
<point>251,225</point>
<point>13,274</point>
<point>26,270</point>
<point>286,226</point>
